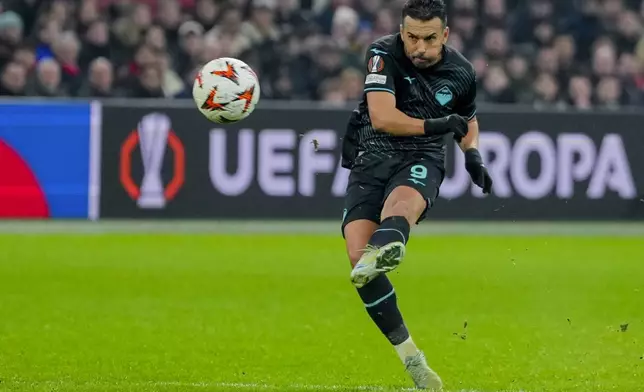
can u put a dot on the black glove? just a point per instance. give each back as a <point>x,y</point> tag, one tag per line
<point>441,126</point>
<point>474,165</point>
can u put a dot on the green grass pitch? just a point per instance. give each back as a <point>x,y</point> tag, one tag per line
<point>214,312</point>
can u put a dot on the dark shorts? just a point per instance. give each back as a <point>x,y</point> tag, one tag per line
<point>374,177</point>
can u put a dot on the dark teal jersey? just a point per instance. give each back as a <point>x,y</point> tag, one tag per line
<point>445,88</point>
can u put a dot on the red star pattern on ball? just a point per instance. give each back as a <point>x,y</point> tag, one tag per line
<point>229,73</point>
<point>210,104</point>
<point>200,80</point>
<point>247,96</point>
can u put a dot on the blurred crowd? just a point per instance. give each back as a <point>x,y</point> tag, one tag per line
<point>547,53</point>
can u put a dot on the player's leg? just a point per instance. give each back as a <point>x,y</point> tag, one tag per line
<point>378,296</point>
<point>413,191</point>
<point>403,206</point>
<point>356,236</point>
<point>363,205</point>
<point>410,191</point>
<point>409,195</point>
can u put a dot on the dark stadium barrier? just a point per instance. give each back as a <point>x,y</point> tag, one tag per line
<point>283,163</point>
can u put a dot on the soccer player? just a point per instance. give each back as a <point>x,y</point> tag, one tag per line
<point>418,92</point>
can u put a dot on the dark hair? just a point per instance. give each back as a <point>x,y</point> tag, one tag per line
<point>425,10</point>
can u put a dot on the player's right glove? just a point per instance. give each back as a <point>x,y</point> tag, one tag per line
<point>441,126</point>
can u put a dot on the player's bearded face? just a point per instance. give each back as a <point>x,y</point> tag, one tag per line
<point>423,40</point>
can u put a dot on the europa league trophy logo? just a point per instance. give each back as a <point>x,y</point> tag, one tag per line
<point>153,137</point>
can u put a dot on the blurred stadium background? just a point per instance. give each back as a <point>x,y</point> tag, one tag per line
<point>550,54</point>
<point>221,267</point>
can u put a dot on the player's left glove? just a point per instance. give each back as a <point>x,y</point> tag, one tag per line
<point>441,126</point>
<point>474,165</point>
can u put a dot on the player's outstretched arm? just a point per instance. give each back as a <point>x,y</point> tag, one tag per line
<point>380,88</point>
<point>470,143</point>
<point>385,117</point>
<point>473,161</point>
<point>471,140</point>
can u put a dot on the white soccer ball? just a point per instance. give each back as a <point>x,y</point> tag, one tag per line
<point>226,90</point>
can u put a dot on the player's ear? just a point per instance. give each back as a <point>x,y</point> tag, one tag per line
<point>445,34</point>
<point>401,29</point>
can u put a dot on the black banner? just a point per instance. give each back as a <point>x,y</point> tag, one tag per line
<point>284,164</point>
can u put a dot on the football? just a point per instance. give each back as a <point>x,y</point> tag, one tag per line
<point>226,90</point>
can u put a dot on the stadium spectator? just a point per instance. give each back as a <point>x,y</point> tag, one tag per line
<point>547,92</point>
<point>66,49</point>
<point>495,43</point>
<point>206,13</point>
<point>518,69</point>
<point>228,33</point>
<point>13,80</point>
<point>11,31</point>
<point>88,13</point>
<point>191,47</point>
<point>48,80</point>
<point>351,79</point>
<point>609,93</point>
<point>96,43</point>
<point>496,86</point>
<point>261,27</point>
<point>100,80</point>
<point>546,53</point>
<point>580,92</point>
<point>25,55</point>
<point>48,30</point>
<point>149,84</point>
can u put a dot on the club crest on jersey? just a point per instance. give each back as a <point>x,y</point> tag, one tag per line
<point>376,64</point>
<point>444,96</point>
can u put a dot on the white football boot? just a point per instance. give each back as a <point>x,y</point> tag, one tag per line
<point>424,377</point>
<point>377,260</point>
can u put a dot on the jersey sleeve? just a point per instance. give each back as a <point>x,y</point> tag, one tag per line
<point>467,104</point>
<point>380,71</point>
